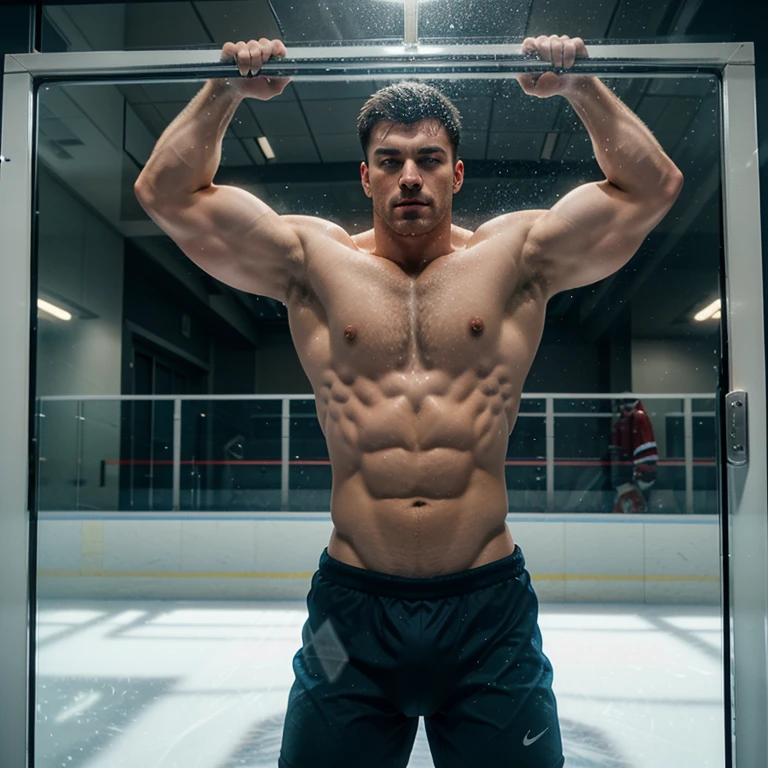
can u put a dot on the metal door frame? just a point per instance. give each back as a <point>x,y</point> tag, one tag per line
<point>744,537</point>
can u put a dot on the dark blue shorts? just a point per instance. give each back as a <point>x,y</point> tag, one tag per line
<point>463,650</point>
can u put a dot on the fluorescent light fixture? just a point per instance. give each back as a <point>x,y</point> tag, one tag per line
<point>549,146</point>
<point>716,316</point>
<point>265,148</point>
<point>52,309</point>
<point>708,312</point>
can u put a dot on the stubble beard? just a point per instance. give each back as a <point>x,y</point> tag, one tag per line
<point>412,224</point>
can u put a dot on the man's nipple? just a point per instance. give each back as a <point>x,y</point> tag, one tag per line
<point>350,332</point>
<point>477,324</point>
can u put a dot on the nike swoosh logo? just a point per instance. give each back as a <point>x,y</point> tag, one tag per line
<point>527,742</point>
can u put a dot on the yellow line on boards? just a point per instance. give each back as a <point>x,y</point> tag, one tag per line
<point>93,573</point>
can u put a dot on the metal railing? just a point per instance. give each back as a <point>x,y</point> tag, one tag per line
<point>549,407</point>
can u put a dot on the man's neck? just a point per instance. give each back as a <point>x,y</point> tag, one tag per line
<point>412,253</point>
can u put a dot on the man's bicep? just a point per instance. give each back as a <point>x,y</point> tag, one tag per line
<point>589,234</point>
<point>234,237</point>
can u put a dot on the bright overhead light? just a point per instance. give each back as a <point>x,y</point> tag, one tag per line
<point>266,148</point>
<point>708,312</point>
<point>716,316</point>
<point>52,309</point>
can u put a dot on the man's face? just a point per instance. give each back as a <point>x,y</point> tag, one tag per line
<point>411,163</point>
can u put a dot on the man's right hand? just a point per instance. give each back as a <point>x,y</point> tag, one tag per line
<point>250,57</point>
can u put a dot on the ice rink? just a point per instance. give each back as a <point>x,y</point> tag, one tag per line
<point>192,684</point>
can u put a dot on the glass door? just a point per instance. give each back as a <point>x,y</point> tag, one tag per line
<point>156,635</point>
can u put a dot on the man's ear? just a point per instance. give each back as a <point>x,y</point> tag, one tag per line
<point>458,176</point>
<point>364,179</point>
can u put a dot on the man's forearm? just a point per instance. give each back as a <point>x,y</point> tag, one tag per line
<point>188,153</point>
<point>627,152</point>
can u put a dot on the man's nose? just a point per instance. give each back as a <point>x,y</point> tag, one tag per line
<point>410,177</point>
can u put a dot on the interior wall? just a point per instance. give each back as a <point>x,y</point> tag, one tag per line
<point>564,368</point>
<point>234,370</point>
<point>155,302</point>
<point>278,368</point>
<point>675,365</point>
<point>81,262</point>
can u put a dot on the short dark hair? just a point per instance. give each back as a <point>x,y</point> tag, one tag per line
<point>407,103</point>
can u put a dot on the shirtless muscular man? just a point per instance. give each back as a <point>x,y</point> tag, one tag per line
<point>417,337</point>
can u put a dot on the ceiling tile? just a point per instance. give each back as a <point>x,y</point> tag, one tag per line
<point>134,94</point>
<point>279,118</point>
<point>475,113</point>
<point>235,20</point>
<point>169,110</point>
<point>163,25</point>
<point>181,90</point>
<point>243,123</point>
<point>102,24</point>
<point>634,20</point>
<point>587,19</point>
<point>332,116</point>
<point>339,148</point>
<point>579,148</point>
<point>517,110</point>
<point>355,89</point>
<point>515,146</point>
<point>233,153</point>
<point>293,149</point>
<point>472,145</point>
<point>343,20</point>
<point>464,19</point>
<point>151,118</point>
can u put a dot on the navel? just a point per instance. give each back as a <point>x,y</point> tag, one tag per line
<point>477,324</point>
<point>350,332</point>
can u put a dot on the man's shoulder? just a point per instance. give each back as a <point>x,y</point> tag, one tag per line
<point>313,226</point>
<point>512,226</point>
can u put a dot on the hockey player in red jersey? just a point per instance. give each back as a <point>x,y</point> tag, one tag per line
<point>633,458</point>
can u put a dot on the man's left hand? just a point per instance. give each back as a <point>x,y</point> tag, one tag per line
<point>562,51</point>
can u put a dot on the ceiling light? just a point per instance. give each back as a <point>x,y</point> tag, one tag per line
<point>708,312</point>
<point>265,148</point>
<point>52,309</point>
<point>549,146</point>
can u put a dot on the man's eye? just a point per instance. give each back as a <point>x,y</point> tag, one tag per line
<point>430,160</point>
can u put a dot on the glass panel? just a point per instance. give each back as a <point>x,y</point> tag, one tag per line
<point>705,452</point>
<point>147,25</point>
<point>610,466</point>
<point>310,476</point>
<point>231,455</point>
<point>525,469</point>
<point>58,438</point>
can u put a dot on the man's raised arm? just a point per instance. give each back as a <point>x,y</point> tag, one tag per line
<point>226,231</point>
<point>597,228</point>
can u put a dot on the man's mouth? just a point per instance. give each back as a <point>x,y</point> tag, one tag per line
<point>409,202</point>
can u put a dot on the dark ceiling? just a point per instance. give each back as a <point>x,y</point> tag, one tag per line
<point>520,152</point>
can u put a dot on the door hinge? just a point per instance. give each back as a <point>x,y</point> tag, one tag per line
<point>736,428</point>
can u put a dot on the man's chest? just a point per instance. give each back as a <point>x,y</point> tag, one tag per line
<point>363,314</point>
